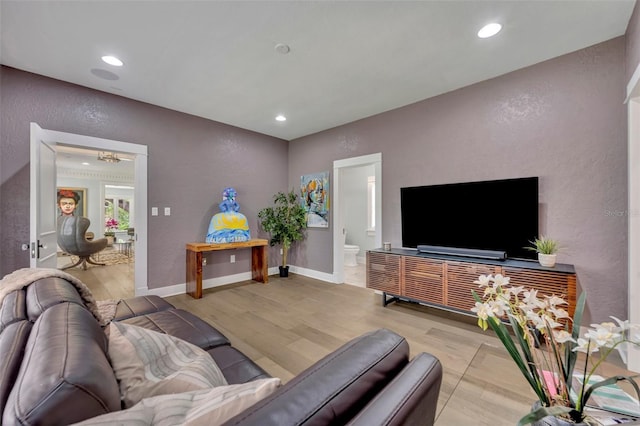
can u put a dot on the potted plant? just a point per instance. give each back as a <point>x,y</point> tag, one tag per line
<point>110,230</point>
<point>544,342</point>
<point>547,250</point>
<point>285,221</point>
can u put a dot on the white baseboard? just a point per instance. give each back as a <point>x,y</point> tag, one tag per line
<point>173,290</point>
<point>322,276</point>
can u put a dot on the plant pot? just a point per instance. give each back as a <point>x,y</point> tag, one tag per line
<point>556,421</point>
<point>553,421</point>
<point>547,260</point>
<point>284,271</point>
<point>110,240</point>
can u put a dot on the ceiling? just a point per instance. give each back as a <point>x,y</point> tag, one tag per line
<point>348,59</point>
<point>86,159</point>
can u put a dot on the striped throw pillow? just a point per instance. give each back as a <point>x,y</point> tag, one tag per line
<point>196,408</point>
<point>147,363</point>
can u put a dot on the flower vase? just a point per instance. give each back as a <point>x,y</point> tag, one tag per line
<point>552,420</point>
<point>556,421</point>
<point>110,240</point>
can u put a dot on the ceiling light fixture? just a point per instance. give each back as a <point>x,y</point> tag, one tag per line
<point>281,118</point>
<point>489,30</point>
<point>282,48</point>
<point>108,157</point>
<point>112,60</point>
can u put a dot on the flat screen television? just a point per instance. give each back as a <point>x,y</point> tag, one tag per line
<point>488,215</point>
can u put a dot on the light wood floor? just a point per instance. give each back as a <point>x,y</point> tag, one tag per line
<point>288,324</point>
<point>106,282</point>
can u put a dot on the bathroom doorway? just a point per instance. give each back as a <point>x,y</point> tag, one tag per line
<point>357,196</point>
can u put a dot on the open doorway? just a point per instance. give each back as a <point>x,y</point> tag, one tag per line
<point>42,194</point>
<point>106,181</point>
<point>633,108</point>
<point>357,188</point>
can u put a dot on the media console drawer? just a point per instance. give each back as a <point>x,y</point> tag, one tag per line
<point>447,281</point>
<point>423,279</point>
<point>383,272</point>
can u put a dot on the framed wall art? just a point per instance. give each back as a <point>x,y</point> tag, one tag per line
<point>72,201</point>
<point>314,190</point>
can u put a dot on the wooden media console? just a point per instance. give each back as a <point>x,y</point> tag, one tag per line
<point>446,281</point>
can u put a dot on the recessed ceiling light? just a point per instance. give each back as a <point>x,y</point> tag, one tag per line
<point>112,60</point>
<point>282,48</point>
<point>281,118</point>
<point>86,164</point>
<point>489,30</point>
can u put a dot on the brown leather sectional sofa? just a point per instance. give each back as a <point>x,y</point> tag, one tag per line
<point>54,368</point>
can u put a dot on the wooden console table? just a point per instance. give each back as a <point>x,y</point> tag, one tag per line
<point>194,262</point>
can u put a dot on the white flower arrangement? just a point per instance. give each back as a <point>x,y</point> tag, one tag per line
<point>548,340</point>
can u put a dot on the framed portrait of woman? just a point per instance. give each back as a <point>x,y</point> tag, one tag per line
<point>72,201</point>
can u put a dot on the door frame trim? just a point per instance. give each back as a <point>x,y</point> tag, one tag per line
<point>338,213</point>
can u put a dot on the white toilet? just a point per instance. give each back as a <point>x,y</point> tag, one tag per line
<point>350,255</point>
<point>350,252</point>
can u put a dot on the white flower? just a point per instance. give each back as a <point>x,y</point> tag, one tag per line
<point>501,280</point>
<point>499,307</point>
<point>536,321</point>
<point>491,290</point>
<point>515,290</point>
<point>559,313</point>
<point>531,299</point>
<point>603,335</point>
<point>483,280</point>
<point>551,322</point>
<point>584,345</point>
<point>483,310</point>
<point>623,325</point>
<point>562,336</point>
<point>555,301</point>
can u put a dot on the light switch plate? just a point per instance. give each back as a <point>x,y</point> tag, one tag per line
<point>167,211</point>
<point>233,258</point>
<point>154,211</point>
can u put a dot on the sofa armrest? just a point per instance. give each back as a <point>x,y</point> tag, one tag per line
<point>336,388</point>
<point>140,305</point>
<point>410,399</point>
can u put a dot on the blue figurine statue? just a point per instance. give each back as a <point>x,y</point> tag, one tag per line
<point>228,226</point>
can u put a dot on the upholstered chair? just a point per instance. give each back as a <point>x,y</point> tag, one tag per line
<point>72,240</point>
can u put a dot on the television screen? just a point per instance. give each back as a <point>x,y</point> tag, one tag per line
<point>489,215</point>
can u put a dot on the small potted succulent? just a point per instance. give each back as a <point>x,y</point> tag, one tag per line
<point>285,221</point>
<point>547,250</point>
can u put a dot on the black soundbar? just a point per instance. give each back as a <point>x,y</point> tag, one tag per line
<point>454,251</point>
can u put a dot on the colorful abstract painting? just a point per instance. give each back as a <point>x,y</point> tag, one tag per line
<point>314,189</point>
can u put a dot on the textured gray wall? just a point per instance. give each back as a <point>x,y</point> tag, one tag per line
<point>562,120</point>
<point>191,160</point>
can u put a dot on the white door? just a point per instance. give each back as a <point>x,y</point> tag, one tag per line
<point>43,240</point>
